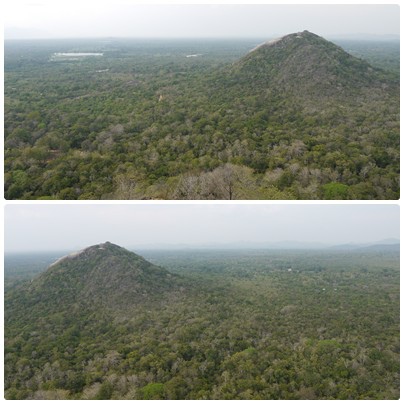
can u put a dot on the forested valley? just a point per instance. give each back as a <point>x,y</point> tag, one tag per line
<point>106,323</point>
<point>299,118</point>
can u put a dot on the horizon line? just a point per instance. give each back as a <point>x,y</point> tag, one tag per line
<point>165,38</point>
<point>230,247</point>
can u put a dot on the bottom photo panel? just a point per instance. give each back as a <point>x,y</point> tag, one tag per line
<point>201,301</point>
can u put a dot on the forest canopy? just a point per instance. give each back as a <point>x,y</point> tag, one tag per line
<point>201,120</point>
<point>253,324</point>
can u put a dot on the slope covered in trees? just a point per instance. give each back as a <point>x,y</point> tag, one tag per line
<point>103,275</point>
<point>225,325</point>
<point>298,118</point>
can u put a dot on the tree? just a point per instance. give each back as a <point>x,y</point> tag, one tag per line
<point>230,182</point>
<point>152,391</point>
<point>334,190</point>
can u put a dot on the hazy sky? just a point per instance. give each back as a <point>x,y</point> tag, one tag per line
<point>72,227</point>
<point>127,18</point>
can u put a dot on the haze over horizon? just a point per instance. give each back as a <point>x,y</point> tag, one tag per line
<point>39,228</point>
<point>47,19</point>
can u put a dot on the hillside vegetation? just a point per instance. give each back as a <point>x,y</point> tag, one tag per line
<point>298,118</point>
<point>217,325</point>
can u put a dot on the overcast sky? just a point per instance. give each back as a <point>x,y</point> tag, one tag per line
<point>73,227</point>
<point>127,18</point>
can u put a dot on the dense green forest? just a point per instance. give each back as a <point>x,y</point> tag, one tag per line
<point>254,324</point>
<point>155,119</point>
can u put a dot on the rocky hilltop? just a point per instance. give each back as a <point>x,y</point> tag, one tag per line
<point>103,275</point>
<point>307,66</point>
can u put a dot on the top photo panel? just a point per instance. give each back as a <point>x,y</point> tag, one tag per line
<point>118,100</point>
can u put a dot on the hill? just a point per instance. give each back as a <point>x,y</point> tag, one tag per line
<point>311,68</point>
<point>101,276</point>
<point>101,273</point>
<point>382,248</point>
